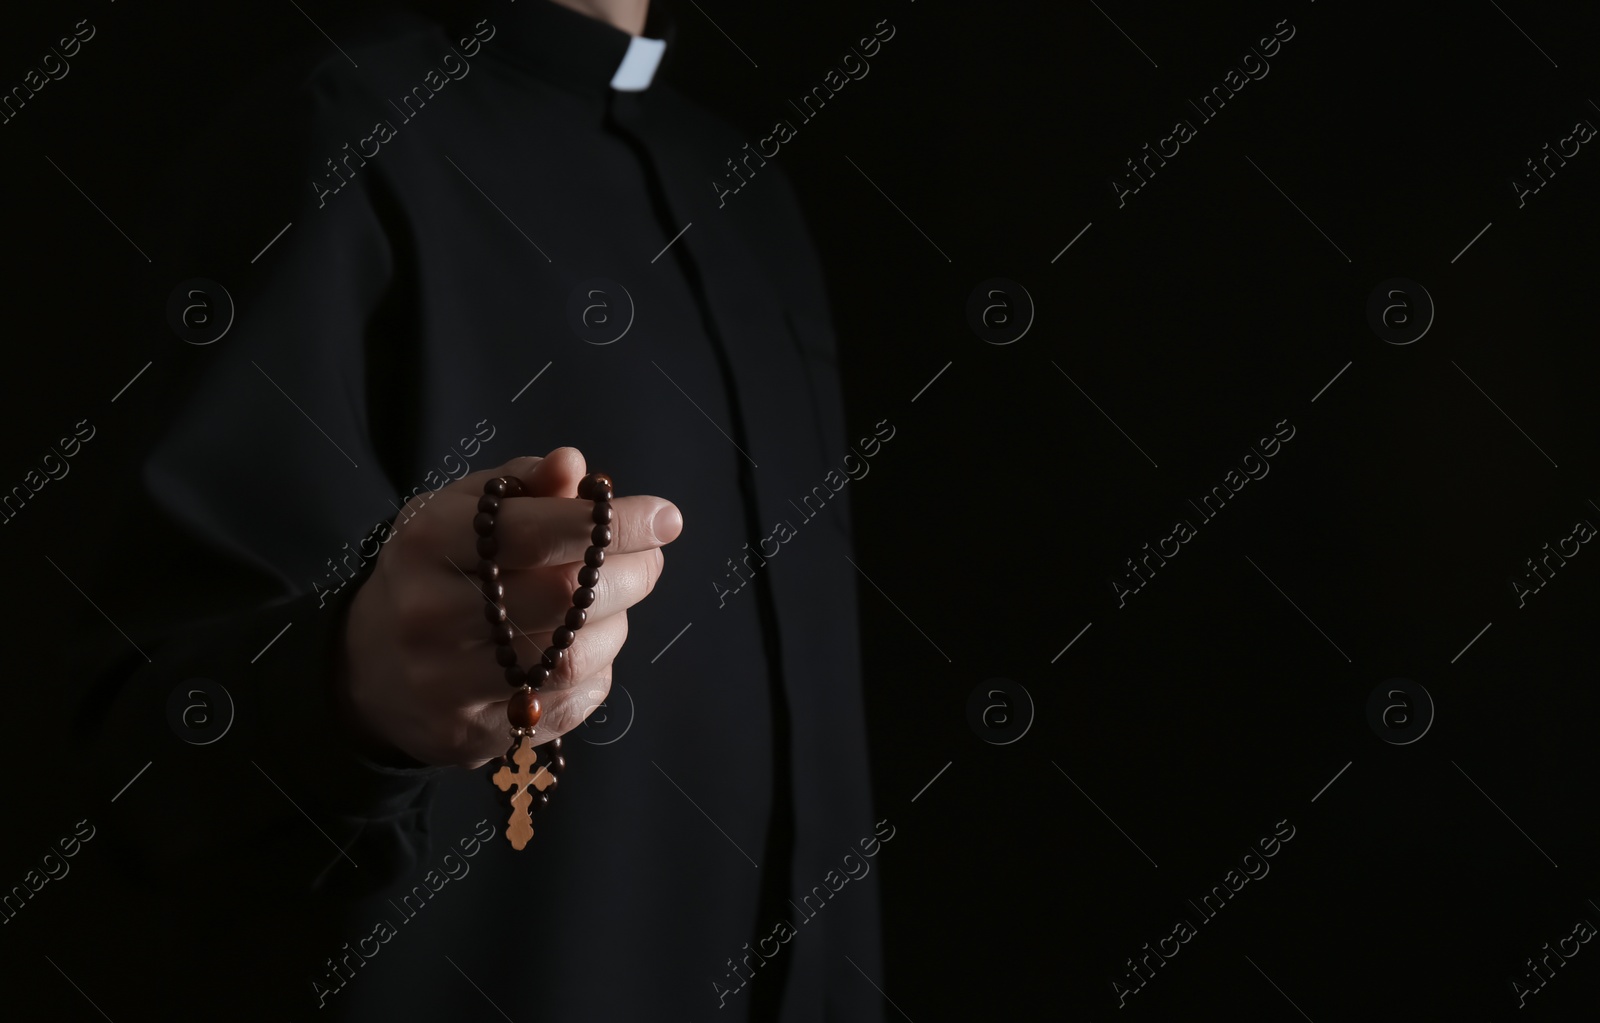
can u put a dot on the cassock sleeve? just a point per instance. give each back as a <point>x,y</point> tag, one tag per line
<point>284,445</point>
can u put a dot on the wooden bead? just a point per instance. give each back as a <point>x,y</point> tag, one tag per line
<point>555,764</point>
<point>576,616</point>
<point>515,485</point>
<point>551,658</point>
<point>594,557</point>
<point>488,547</point>
<point>554,783</point>
<point>562,638</point>
<point>583,597</point>
<point>590,486</point>
<point>489,503</point>
<point>488,571</point>
<point>503,633</point>
<point>601,537</point>
<point>505,656</point>
<point>495,613</point>
<point>601,493</point>
<point>554,746</point>
<point>483,524</point>
<point>538,802</point>
<point>493,591</point>
<point>538,675</point>
<point>523,710</point>
<point>602,514</point>
<point>588,575</point>
<point>497,487</point>
<point>515,675</point>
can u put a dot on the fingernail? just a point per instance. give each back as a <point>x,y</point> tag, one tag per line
<point>667,524</point>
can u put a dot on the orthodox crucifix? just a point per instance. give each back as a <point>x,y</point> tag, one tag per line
<point>524,780</point>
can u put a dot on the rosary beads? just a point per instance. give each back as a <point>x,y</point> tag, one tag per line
<point>523,710</point>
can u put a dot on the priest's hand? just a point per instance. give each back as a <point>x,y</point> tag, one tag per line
<point>418,671</point>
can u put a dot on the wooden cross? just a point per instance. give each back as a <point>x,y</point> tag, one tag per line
<point>523,780</point>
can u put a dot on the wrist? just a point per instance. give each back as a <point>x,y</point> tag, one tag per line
<point>351,726</point>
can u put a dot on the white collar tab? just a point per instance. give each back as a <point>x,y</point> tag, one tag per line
<point>638,67</point>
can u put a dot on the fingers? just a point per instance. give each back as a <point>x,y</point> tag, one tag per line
<point>566,705</point>
<point>596,647</point>
<point>525,468</point>
<point>539,532</point>
<point>549,528</point>
<point>578,687</point>
<point>539,600</point>
<point>556,475</point>
<point>449,613</point>
<point>597,644</point>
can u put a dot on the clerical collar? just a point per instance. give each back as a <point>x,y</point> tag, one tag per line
<point>573,50</point>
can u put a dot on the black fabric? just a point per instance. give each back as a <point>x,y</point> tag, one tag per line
<point>377,348</point>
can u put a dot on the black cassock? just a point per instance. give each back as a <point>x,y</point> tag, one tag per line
<point>471,209</point>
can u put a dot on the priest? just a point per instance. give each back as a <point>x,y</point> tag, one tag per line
<point>462,248</point>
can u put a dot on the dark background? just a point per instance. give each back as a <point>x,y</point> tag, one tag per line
<point>1198,315</point>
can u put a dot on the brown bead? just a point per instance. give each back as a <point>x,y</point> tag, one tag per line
<point>586,487</point>
<point>562,638</point>
<point>503,633</point>
<point>483,524</point>
<point>516,486</point>
<point>553,746</point>
<point>495,613</point>
<point>489,503</point>
<point>493,591</point>
<point>588,575</point>
<point>583,597</point>
<point>551,658</point>
<point>554,784</point>
<point>539,802</point>
<point>497,487</point>
<point>601,493</point>
<point>515,675</point>
<point>538,675</point>
<point>488,571</point>
<point>488,547</point>
<point>602,514</point>
<point>556,764</point>
<point>523,710</point>
<point>594,557</point>
<point>601,537</point>
<point>505,656</point>
<point>576,616</point>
